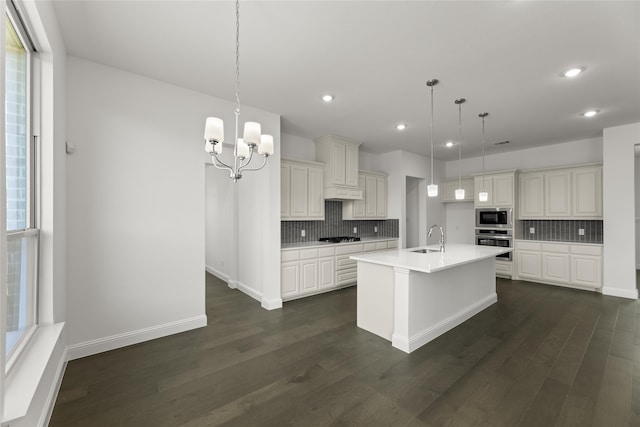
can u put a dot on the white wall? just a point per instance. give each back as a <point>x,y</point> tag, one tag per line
<point>619,210</point>
<point>461,223</point>
<point>637,208</point>
<point>135,208</point>
<point>567,153</point>
<point>220,225</point>
<point>295,147</point>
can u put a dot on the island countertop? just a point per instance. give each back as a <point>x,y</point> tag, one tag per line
<point>454,255</point>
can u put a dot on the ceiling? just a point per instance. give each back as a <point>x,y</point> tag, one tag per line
<point>375,57</point>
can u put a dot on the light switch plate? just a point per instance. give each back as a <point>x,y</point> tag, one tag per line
<point>303,233</point>
<point>532,230</point>
<point>580,231</point>
<point>355,230</point>
<point>375,229</point>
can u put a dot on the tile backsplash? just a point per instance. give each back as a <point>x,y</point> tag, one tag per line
<point>562,230</point>
<point>333,225</point>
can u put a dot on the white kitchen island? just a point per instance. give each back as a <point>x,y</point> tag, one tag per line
<point>411,298</point>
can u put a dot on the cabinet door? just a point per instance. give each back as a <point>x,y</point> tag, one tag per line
<point>528,264</point>
<point>338,153</point>
<point>351,166</point>
<point>557,200</point>
<point>290,276</point>
<point>486,183</point>
<point>586,270</point>
<point>502,190</point>
<point>315,193</point>
<point>359,205</point>
<point>308,276</point>
<point>555,267</point>
<point>285,190</point>
<point>531,195</point>
<point>381,199</point>
<point>370,197</point>
<point>326,273</point>
<point>587,192</point>
<point>299,189</point>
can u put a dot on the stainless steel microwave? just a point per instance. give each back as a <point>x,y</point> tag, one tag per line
<point>494,218</point>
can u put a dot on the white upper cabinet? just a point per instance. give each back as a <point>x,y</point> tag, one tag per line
<point>587,192</point>
<point>301,186</point>
<point>557,196</point>
<point>374,201</point>
<point>500,187</point>
<point>561,193</point>
<point>531,195</point>
<point>449,188</point>
<point>340,155</point>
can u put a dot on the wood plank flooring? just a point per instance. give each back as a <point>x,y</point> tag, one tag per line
<point>541,356</point>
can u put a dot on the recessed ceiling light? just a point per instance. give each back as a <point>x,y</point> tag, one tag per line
<point>401,126</point>
<point>590,113</point>
<point>573,72</point>
<point>327,98</point>
<point>449,144</point>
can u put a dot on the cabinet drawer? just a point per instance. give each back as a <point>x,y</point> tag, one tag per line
<point>381,246</point>
<point>504,269</point>
<point>528,246</point>
<point>290,256</point>
<point>350,249</point>
<point>586,250</point>
<point>368,247</point>
<point>324,252</point>
<point>343,262</point>
<point>308,253</point>
<point>555,247</point>
<point>392,244</point>
<point>346,277</point>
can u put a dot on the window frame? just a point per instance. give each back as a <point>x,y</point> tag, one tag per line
<point>32,175</point>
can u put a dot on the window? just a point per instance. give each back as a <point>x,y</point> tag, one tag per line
<point>22,234</point>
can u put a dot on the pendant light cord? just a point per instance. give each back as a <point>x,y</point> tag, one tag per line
<point>431,134</point>
<point>459,102</point>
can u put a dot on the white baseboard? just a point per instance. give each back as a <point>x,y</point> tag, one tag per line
<point>249,291</point>
<point>112,342</point>
<point>409,344</point>
<point>52,395</point>
<point>219,274</point>
<point>620,292</point>
<point>271,304</point>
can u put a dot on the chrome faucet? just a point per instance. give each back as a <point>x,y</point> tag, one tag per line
<point>441,235</point>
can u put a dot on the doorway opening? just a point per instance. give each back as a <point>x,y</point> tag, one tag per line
<point>415,213</point>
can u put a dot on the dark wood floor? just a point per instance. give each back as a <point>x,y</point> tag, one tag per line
<point>541,356</point>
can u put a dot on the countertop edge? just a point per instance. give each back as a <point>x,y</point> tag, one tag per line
<point>313,244</point>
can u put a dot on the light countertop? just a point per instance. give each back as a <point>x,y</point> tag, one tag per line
<point>313,243</point>
<point>454,255</point>
<point>560,242</point>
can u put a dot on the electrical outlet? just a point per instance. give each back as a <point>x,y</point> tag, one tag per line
<point>355,230</point>
<point>532,230</point>
<point>302,233</point>
<point>375,229</point>
<point>580,231</point>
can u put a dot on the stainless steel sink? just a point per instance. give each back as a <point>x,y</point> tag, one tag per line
<point>425,251</point>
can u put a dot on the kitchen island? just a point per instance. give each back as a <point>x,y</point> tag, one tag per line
<point>410,298</point>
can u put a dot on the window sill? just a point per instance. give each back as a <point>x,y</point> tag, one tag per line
<point>26,374</point>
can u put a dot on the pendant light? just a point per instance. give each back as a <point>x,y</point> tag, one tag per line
<point>432,189</point>
<point>460,191</point>
<point>483,195</point>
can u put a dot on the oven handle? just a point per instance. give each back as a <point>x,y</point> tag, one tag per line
<point>491,236</point>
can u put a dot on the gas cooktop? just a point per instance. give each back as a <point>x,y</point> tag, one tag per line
<point>339,239</point>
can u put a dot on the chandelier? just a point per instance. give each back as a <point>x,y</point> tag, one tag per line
<point>252,141</point>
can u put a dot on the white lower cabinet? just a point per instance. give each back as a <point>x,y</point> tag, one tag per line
<point>504,268</point>
<point>574,265</point>
<point>309,271</point>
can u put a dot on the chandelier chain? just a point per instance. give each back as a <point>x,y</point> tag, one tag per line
<point>431,128</point>
<point>237,55</point>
